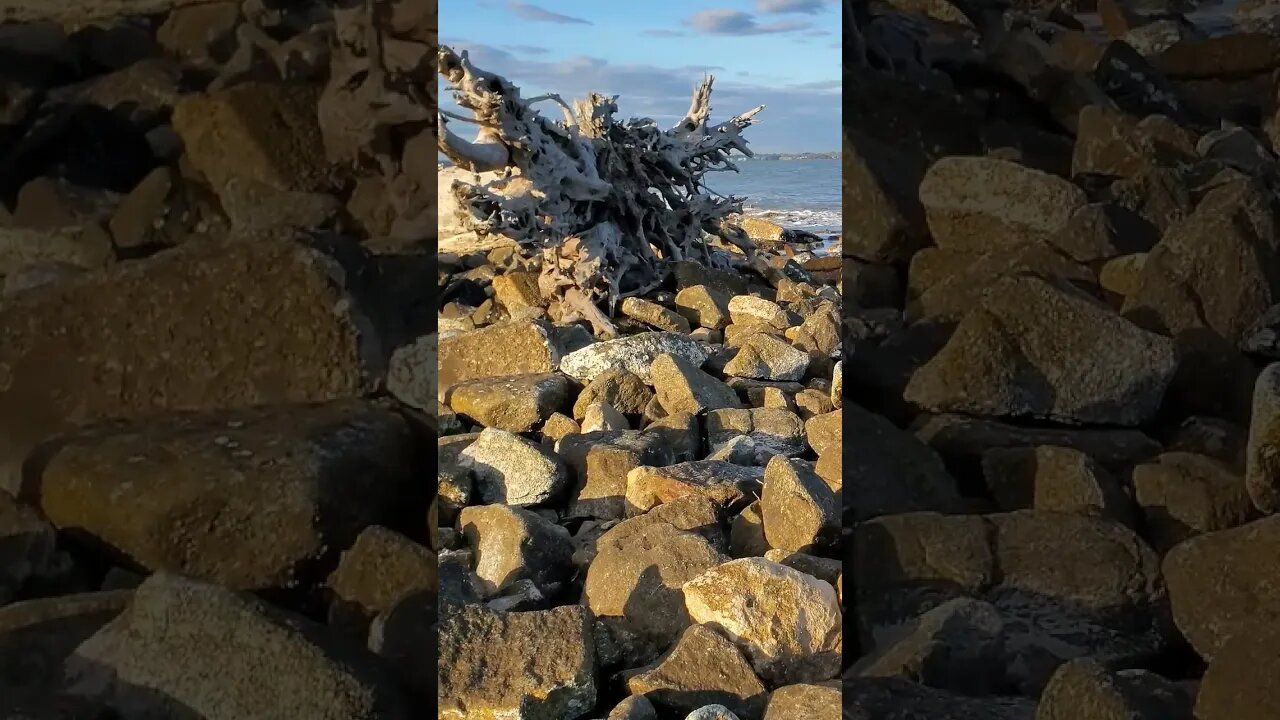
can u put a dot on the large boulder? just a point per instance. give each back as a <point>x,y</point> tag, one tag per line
<point>1031,350</point>
<point>179,650</point>
<point>206,326</point>
<point>243,498</point>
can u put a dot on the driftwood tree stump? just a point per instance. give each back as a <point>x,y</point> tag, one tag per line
<point>609,203</point>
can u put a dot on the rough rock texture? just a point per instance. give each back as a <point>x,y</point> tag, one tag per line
<point>1030,351</point>
<point>178,648</point>
<point>1262,472</point>
<point>702,668</point>
<point>509,469</point>
<point>531,665</point>
<point>634,353</point>
<point>181,493</point>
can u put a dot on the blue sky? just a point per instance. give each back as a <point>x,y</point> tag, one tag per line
<point>784,54</point>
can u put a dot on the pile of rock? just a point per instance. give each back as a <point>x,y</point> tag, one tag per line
<point>648,525</point>
<point>1062,470</point>
<point>208,506</point>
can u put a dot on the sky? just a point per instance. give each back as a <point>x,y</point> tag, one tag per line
<point>783,54</point>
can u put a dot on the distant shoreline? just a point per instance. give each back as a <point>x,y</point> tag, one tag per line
<point>791,156</point>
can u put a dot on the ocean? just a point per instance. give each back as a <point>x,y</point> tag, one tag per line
<point>800,194</point>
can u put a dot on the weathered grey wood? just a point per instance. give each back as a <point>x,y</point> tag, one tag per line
<point>609,203</point>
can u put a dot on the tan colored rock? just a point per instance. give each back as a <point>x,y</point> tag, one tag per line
<point>1182,494</point>
<point>512,545</point>
<point>1124,695</point>
<point>752,310</point>
<point>185,493</point>
<point>517,291</point>
<point>180,647</point>
<point>728,485</point>
<point>622,389</point>
<point>1055,479</point>
<point>1262,455</point>
<point>787,623</point>
<point>981,204</point>
<point>817,702</point>
<point>516,403</point>
<point>704,306</point>
<point>775,428</point>
<point>1240,682</point>
<point>766,357</point>
<point>1222,584</point>
<point>823,432</point>
<point>603,417</point>
<point>800,512</point>
<point>652,313</point>
<point>505,349</point>
<point>702,668</point>
<point>379,570</point>
<point>681,387</point>
<point>746,533</point>
<point>637,584</point>
<point>82,246</point>
<point>273,128</point>
<point>601,463</point>
<point>511,470</point>
<point>536,665</point>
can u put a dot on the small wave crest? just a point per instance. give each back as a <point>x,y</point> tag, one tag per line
<point>811,220</point>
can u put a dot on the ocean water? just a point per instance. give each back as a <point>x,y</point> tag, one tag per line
<point>800,194</point>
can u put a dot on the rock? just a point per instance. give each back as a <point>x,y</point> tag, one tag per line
<point>1126,695</point>
<point>603,417</point>
<point>712,712</point>
<point>819,702</point>
<point>691,513</point>
<point>1101,595</point>
<point>965,439</point>
<point>787,623</point>
<point>133,224</point>
<point>1160,196</point>
<point>636,584</point>
<point>1184,284</point>
<point>682,387</point>
<point>704,306</point>
<point>1112,143</point>
<point>1237,148</point>
<point>819,334</point>
<point>896,699</point>
<point>634,353</point>
<point>82,246</point>
<point>511,470</point>
<point>891,471</point>
<point>1227,56</point>
<point>622,389</point>
<point>800,512</point>
<point>1099,231</point>
<point>702,668</point>
<point>559,426</point>
<point>37,636</point>
<point>77,12</point>
<point>378,571</point>
<point>512,544</point>
<point>746,534</point>
<point>180,320</point>
<point>516,291</point>
<point>1262,455</point>
<point>1221,584</point>
<point>505,349</point>
<point>601,461</point>
<point>752,310</point>
<point>530,665</point>
<point>413,374</point>
<point>654,314</point>
<point>192,32</point>
<point>1240,682</point>
<point>823,432</point>
<point>982,204</point>
<point>1020,355</point>
<point>1121,275</point>
<point>179,647</point>
<point>516,404</point>
<point>1054,478</point>
<point>766,357</point>
<point>1263,337</point>
<point>281,149</point>
<point>636,707</point>
<point>957,646</point>
<point>827,569</point>
<point>1182,494</point>
<point>184,492</point>
<point>28,547</point>
<point>778,429</point>
<point>729,486</point>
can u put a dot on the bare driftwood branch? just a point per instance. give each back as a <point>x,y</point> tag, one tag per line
<point>609,203</point>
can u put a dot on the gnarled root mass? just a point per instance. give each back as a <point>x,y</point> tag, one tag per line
<point>609,203</point>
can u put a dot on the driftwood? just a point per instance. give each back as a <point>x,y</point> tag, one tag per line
<point>378,111</point>
<point>609,203</point>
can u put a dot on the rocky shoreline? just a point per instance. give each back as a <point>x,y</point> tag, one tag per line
<point>1080,521</point>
